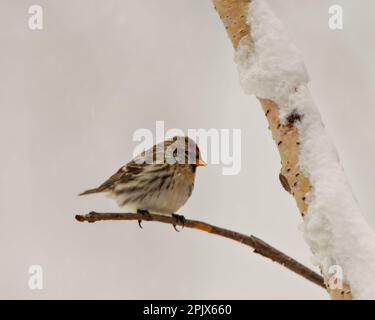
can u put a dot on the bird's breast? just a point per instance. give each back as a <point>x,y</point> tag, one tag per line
<point>164,192</point>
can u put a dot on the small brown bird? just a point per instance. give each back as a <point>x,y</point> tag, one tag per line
<point>160,180</point>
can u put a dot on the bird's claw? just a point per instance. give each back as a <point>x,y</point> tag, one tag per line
<point>145,214</point>
<point>179,219</point>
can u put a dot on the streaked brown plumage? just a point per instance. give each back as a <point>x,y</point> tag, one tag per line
<point>159,180</point>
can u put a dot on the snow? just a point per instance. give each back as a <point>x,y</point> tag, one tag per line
<point>271,67</point>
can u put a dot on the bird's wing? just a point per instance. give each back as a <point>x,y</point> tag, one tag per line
<point>124,174</point>
<point>141,164</point>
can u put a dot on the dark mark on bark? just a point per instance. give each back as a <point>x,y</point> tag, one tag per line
<point>293,117</point>
<point>284,182</point>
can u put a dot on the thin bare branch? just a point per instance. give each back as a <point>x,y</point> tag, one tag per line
<point>258,245</point>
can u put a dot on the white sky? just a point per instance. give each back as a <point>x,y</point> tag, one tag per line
<point>71,97</point>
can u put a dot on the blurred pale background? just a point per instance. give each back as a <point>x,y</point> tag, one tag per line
<point>71,97</point>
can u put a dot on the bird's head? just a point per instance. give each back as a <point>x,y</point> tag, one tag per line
<point>184,151</point>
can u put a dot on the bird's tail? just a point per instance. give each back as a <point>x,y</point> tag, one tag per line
<point>91,191</point>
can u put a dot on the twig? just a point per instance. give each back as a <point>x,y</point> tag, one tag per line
<point>257,244</point>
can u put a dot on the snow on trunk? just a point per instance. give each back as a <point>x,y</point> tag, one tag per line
<point>270,67</point>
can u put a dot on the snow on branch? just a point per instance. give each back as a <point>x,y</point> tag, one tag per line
<point>271,68</point>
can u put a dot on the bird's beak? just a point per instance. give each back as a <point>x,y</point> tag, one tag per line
<point>200,163</point>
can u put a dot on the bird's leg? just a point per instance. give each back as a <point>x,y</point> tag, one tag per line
<point>145,214</point>
<point>179,219</point>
